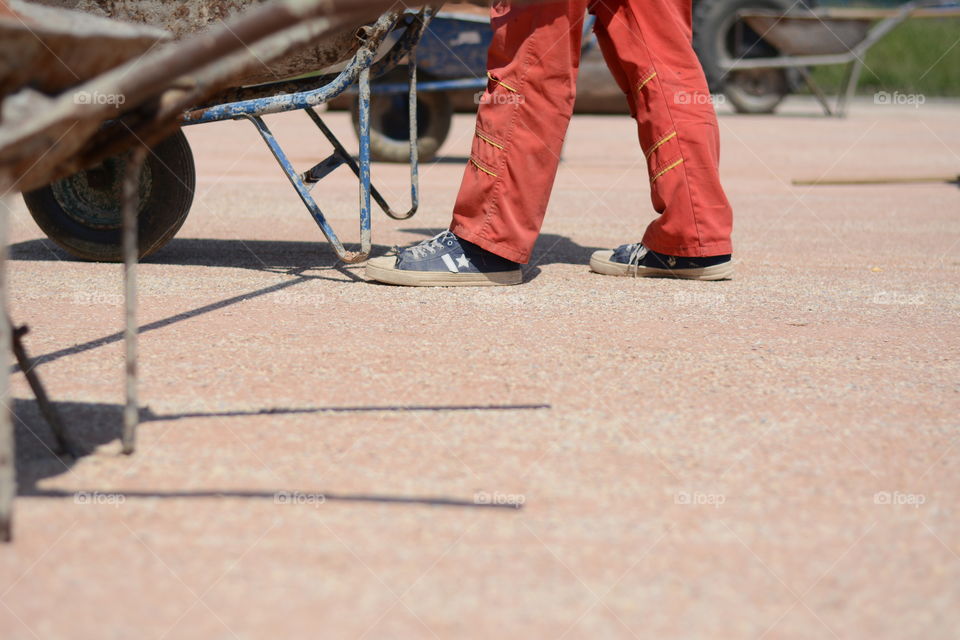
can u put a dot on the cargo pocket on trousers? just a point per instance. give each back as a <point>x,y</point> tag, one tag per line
<point>485,153</point>
<point>497,106</point>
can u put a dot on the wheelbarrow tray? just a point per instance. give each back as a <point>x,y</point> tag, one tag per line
<point>834,30</point>
<point>808,33</point>
<point>184,18</point>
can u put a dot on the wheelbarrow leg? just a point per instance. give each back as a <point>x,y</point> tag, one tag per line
<point>850,87</point>
<point>365,153</point>
<point>8,475</point>
<point>304,192</point>
<point>304,182</point>
<point>342,156</point>
<point>130,205</point>
<point>816,90</point>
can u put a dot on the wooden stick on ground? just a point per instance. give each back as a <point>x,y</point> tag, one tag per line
<point>131,253</point>
<point>879,181</point>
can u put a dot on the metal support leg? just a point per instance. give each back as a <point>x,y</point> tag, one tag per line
<point>817,91</point>
<point>304,192</point>
<point>852,80</point>
<point>8,474</point>
<point>304,182</point>
<point>342,156</point>
<point>131,253</point>
<point>365,156</point>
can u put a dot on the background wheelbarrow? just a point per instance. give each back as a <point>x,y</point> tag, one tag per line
<point>830,37</point>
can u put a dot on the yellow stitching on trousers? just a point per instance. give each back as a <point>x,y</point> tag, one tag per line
<point>485,170</point>
<point>501,83</point>
<point>671,167</point>
<point>489,141</point>
<point>661,143</point>
<point>644,82</point>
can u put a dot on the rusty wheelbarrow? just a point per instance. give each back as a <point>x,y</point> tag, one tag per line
<point>829,36</point>
<point>81,212</point>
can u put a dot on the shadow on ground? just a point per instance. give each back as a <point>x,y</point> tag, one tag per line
<point>284,256</point>
<point>261,255</point>
<point>91,425</point>
<point>303,260</point>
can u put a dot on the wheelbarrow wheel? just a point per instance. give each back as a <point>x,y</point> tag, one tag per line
<point>390,125</point>
<point>719,38</point>
<point>756,91</point>
<point>82,213</point>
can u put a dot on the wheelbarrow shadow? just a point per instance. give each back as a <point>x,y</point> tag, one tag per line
<point>101,425</point>
<point>281,256</point>
<point>294,257</point>
<point>304,261</point>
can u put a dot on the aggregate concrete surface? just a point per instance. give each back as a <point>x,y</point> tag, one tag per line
<point>775,456</point>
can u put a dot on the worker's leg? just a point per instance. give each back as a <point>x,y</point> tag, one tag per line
<point>522,119</point>
<point>647,45</point>
<point>521,122</point>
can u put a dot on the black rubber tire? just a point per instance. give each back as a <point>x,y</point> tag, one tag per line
<point>389,124</point>
<point>82,215</point>
<point>757,91</point>
<point>754,91</point>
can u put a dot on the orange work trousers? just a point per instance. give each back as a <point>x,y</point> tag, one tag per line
<point>524,113</point>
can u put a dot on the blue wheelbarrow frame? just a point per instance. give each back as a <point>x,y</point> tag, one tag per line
<point>363,67</point>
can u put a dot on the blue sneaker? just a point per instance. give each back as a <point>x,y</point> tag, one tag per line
<point>444,261</point>
<point>638,261</point>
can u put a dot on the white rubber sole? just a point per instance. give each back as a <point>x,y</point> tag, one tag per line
<point>382,270</point>
<point>600,262</point>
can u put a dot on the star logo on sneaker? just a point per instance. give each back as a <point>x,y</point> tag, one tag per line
<point>671,262</point>
<point>463,261</point>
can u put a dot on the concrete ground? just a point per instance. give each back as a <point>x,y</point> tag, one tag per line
<point>578,457</point>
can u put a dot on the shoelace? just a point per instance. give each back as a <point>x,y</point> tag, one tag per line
<point>428,247</point>
<point>636,255</point>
